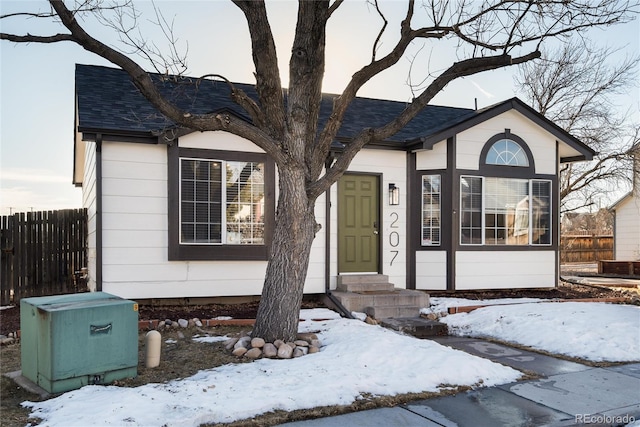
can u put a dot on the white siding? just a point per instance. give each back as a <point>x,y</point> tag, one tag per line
<point>431,270</point>
<point>469,143</point>
<point>627,232</point>
<point>392,166</point>
<point>135,229</point>
<point>505,269</point>
<point>89,202</point>
<point>436,158</point>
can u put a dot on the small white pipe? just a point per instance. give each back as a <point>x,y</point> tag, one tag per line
<point>152,342</point>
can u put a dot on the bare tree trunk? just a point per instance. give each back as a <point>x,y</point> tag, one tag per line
<point>278,313</point>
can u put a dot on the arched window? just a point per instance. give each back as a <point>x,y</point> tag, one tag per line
<point>506,152</point>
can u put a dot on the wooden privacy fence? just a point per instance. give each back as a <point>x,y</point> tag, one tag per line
<point>42,253</point>
<point>585,248</point>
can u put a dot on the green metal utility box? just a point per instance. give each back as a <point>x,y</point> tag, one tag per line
<point>68,341</point>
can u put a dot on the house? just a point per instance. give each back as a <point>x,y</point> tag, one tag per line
<point>459,199</point>
<point>626,227</point>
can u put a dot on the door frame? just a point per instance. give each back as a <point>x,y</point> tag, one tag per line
<point>378,181</point>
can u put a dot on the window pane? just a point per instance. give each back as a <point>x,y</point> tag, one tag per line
<point>507,153</point>
<point>470,210</point>
<point>541,212</point>
<point>201,196</point>
<point>245,203</point>
<point>506,211</point>
<point>431,210</point>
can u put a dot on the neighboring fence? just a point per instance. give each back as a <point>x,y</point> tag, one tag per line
<point>585,248</point>
<point>42,253</point>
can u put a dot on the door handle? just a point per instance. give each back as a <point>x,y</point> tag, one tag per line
<point>375,232</point>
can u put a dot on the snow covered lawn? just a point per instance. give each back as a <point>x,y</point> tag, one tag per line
<point>356,359</point>
<point>593,331</point>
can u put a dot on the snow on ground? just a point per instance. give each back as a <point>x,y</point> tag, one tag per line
<point>5,307</point>
<point>442,304</point>
<point>356,359</point>
<point>592,331</point>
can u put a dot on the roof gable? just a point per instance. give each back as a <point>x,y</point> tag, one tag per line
<point>479,116</point>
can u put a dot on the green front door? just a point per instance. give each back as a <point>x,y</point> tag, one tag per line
<point>358,222</point>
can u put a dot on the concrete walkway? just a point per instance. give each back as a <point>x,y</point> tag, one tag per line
<point>567,394</point>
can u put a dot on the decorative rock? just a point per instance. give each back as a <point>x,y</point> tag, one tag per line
<point>301,343</point>
<point>285,351</point>
<point>192,323</point>
<point>243,343</point>
<point>298,352</point>
<point>228,344</point>
<point>254,353</point>
<point>278,343</point>
<point>269,350</point>
<point>313,349</point>
<point>168,322</point>
<point>197,322</point>
<point>315,343</point>
<point>161,324</point>
<point>257,343</point>
<point>240,351</point>
<point>183,323</point>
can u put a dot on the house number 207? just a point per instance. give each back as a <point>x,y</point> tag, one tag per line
<point>394,237</point>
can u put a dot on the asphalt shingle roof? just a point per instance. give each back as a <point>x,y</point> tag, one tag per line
<point>107,101</point>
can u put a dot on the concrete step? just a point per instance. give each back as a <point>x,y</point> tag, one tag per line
<point>393,311</point>
<point>364,283</point>
<point>419,327</point>
<point>353,301</point>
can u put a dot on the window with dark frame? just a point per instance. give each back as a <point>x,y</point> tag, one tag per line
<point>431,210</point>
<point>513,210</point>
<point>221,204</point>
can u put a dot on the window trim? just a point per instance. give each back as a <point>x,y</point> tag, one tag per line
<point>178,251</point>
<point>422,242</point>
<point>507,171</point>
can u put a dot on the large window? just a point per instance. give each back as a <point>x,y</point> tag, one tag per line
<point>505,211</point>
<point>221,202</point>
<point>431,209</point>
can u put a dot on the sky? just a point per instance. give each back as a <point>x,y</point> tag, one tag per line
<point>379,362</point>
<point>37,81</point>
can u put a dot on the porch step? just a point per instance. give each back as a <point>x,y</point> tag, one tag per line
<point>364,283</point>
<point>392,311</point>
<point>419,327</point>
<point>384,304</point>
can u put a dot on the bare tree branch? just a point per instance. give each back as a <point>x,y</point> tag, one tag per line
<point>576,88</point>
<point>29,38</point>
<point>268,83</point>
<point>380,33</point>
